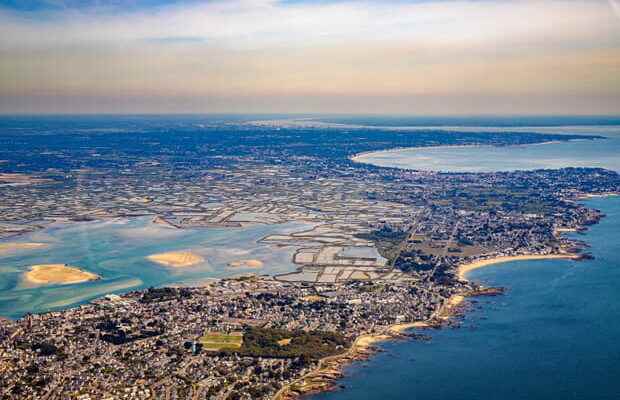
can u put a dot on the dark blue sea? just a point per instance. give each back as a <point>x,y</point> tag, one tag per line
<point>553,335</point>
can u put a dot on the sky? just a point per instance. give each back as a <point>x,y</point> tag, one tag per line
<point>415,57</point>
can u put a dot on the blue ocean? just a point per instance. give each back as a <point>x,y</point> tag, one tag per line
<point>554,334</point>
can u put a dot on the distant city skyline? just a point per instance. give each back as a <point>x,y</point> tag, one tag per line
<point>429,57</point>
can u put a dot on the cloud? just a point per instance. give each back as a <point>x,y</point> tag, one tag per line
<point>257,23</point>
<point>98,5</point>
<point>226,53</point>
<point>615,7</point>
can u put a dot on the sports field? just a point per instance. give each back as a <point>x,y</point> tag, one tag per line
<point>217,341</point>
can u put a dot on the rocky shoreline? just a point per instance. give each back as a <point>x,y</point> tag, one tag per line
<point>329,370</point>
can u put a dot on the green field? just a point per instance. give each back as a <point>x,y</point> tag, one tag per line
<point>268,342</point>
<point>218,341</point>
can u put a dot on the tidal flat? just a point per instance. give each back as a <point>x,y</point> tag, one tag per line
<point>117,251</point>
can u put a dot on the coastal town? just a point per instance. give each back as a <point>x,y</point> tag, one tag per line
<point>387,250</point>
<point>171,343</point>
<point>309,199</point>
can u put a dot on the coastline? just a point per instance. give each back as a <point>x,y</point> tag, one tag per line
<point>586,196</point>
<point>464,269</point>
<point>322,378</point>
<point>329,369</point>
<point>356,157</point>
<point>457,299</point>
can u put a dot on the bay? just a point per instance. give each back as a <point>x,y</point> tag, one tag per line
<point>600,153</point>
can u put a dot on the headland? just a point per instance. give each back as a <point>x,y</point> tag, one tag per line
<point>329,369</point>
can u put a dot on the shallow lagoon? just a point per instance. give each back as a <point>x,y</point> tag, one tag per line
<point>116,251</point>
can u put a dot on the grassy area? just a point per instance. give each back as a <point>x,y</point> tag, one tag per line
<point>483,198</point>
<point>218,341</point>
<point>262,342</point>
<point>386,239</point>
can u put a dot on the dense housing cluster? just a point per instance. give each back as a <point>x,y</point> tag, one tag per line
<point>384,247</point>
<point>149,344</point>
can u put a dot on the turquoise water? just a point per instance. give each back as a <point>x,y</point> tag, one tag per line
<point>553,335</point>
<point>587,153</point>
<point>116,251</point>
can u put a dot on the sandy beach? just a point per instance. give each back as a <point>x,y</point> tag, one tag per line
<point>176,259</point>
<point>246,264</point>
<point>400,328</point>
<point>365,341</point>
<point>466,268</point>
<point>585,196</point>
<point>329,369</point>
<point>322,378</point>
<point>360,157</point>
<point>10,247</point>
<point>48,274</point>
<point>450,307</point>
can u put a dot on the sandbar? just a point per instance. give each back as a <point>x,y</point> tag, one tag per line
<point>246,264</point>
<point>9,247</point>
<point>176,259</point>
<point>63,274</point>
<point>466,268</point>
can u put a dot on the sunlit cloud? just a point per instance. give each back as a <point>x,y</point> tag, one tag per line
<point>615,7</point>
<point>224,55</point>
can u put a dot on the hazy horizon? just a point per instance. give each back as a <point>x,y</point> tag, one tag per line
<point>310,115</point>
<point>404,57</point>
